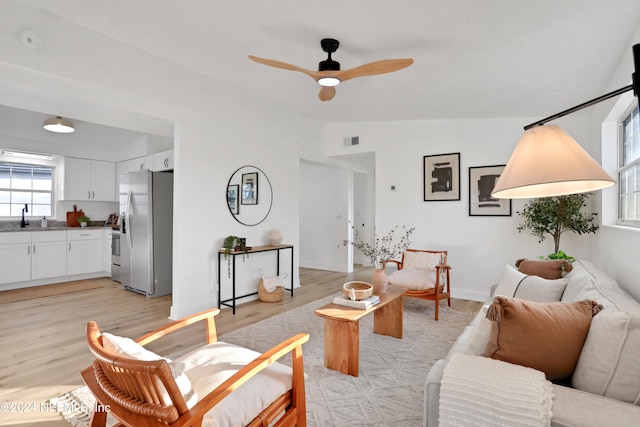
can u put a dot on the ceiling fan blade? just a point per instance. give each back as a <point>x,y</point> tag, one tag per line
<point>373,68</point>
<point>327,93</point>
<point>279,64</point>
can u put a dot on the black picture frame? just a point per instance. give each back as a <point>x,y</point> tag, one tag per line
<point>249,189</point>
<point>482,180</point>
<point>233,198</point>
<point>441,177</point>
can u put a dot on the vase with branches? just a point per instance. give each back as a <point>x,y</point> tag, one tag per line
<point>383,249</point>
<point>553,216</point>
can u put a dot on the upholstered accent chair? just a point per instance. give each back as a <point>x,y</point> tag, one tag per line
<point>424,274</point>
<point>214,384</point>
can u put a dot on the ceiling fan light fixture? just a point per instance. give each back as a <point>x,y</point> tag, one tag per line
<point>59,125</point>
<point>329,81</point>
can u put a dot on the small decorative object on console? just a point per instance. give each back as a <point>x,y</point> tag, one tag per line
<point>357,290</point>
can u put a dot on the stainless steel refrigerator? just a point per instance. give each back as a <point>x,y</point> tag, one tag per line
<point>146,206</point>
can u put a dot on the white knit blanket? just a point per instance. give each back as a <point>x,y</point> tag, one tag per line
<point>479,391</point>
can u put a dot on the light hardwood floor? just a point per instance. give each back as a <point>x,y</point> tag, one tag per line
<point>42,343</point>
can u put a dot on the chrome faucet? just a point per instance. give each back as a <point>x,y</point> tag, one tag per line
<point>24,223</point>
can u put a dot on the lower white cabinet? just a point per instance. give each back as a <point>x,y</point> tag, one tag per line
<point>106,250</point>
<point>84,251</point>
<point>15,256</point>
<point>48,254</point>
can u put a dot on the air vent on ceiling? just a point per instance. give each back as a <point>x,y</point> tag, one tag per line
<point>352,140</point>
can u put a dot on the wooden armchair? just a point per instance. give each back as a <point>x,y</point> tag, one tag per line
<point>425,275</point>
<point>140,393</point>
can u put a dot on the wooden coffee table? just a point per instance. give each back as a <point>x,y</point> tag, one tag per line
<point>342,328</point>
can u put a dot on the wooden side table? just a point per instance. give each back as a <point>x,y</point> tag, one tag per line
<point>342,329</point>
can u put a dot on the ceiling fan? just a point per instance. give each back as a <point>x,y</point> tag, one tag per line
<point>329,74</point>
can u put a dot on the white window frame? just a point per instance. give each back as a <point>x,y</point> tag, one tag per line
<point>621,167</point>
<point>32,191</point>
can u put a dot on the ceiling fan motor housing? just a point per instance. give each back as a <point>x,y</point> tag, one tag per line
<point>329,65</point>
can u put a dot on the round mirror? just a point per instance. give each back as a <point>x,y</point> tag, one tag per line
<point>249,195</point>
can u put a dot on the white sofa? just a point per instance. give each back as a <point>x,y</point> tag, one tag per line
<point>605,386</point>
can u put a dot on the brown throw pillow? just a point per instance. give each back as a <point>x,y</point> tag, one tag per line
<point>543,336</point>
<point>549,269</point>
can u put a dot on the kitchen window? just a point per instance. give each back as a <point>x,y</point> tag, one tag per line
<point>629,170</point>
<point>22,184</point>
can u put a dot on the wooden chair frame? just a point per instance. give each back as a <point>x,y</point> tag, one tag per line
<point>440,291</point>
<point>132,390</point>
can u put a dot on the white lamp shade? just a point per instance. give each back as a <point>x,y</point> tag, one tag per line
<point>58,125</point>
<point>548,162</point>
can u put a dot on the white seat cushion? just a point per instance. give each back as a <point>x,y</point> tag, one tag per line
<point>413,279</point>
<point>209,366</point>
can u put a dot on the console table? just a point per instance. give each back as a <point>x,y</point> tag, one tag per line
<point>231,302</point>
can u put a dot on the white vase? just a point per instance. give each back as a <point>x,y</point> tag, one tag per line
<point>274,237</point>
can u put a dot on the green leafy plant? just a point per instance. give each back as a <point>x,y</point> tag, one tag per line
<point>232,243</point>
<point>383,248</point>
<point>559,255</point>
<point>556,215</point>
<point>84,219</point>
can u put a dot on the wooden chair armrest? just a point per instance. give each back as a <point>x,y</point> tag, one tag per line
<point>293,344</point>
<point>207,315</point>
<point>396,262</point>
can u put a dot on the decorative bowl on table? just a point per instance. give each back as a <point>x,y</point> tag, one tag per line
<point>357,290</point>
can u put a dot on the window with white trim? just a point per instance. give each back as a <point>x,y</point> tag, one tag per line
<point>629,170</point>
<point>22,184</point>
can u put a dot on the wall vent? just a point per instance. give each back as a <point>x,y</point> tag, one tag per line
<point>352,140</point>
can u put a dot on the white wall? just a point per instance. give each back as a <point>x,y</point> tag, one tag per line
<point>615,248</point>
<point>479,247</point>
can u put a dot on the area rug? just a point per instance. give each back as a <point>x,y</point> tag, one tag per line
<point>389,390</point>
<point>23,294</point>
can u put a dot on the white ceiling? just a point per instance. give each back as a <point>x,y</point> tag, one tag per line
<point>473,59</point>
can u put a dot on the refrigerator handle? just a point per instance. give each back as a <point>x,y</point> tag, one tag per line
<point>128,218</point>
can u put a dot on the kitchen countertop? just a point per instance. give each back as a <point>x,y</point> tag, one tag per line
<point>52,225</point>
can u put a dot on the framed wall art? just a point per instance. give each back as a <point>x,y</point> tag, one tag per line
<point>441,176</point>
<point>482,179</point>
<point>233,198</point>
<point>249,188</point>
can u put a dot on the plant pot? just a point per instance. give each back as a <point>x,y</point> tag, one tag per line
<point>83,224</point>
<point>379,282</point>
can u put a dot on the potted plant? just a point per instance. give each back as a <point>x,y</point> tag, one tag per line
<point>556,215</point>
<point>83,220</point>
<point>234,243</point>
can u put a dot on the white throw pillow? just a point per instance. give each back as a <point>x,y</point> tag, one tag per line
<point>421,260</point>
<point>515,284</point>
<point>131,349</point>
<point>211,365</point>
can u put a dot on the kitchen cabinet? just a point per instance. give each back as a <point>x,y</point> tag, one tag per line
<point>84,251</point>
<point>106,250</point>
<point>48,254</point>
<point>163,161</point>
<point>137,164</point>
<point>93,180</point>
<point>15,255</point>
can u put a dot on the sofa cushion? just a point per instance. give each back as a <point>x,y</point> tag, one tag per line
<point>533,288</point>
<point>543,336</point>
<point>211,365</point>
<point>131,349</point>
<point>608,365</point>
<point>549,269</point>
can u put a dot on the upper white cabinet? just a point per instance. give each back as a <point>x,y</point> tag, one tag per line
<point>163,161</point>
<point>93,180</point>
<point>137,164</point>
